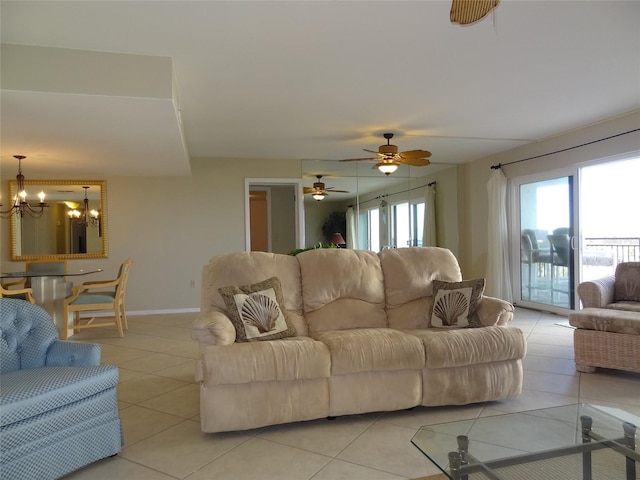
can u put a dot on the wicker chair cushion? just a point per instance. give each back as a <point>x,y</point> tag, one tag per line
<point>624,305</point>
<point>606,320</point>
<point>627,285</point>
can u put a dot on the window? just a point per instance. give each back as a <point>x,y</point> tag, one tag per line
<point>373,241</point>
<point>406,226</point>
<point>369,229</point>
<point>407,222</point>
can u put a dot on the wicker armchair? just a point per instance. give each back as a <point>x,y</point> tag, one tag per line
<point>619,292</point>
<point>607,330</point>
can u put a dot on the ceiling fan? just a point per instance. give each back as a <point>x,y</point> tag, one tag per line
<point>319,191</point>
<point>389,159</point>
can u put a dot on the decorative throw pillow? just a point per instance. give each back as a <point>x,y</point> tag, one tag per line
<point>455,303</point>
<point>627,286</point>
<point>257,311</point>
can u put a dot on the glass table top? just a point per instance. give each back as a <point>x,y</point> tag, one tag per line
<point>44,273</point>
<point>538,444</point>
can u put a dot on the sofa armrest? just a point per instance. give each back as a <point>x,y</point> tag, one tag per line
<point>213,328</point>
<point>73,354</point>
<point>494,311</point>
<point>597,293</point>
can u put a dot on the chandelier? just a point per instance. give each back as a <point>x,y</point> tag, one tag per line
<point>86,217</point>
<point>20,204</point>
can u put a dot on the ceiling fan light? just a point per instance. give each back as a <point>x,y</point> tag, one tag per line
<point>318,196</point>
<point>387,168</point>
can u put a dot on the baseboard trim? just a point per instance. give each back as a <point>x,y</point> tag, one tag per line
<point>134,313</point>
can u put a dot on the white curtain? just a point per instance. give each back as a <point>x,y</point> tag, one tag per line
<point>498,272</point>
<point>429,229</point>
<point>352,233</point>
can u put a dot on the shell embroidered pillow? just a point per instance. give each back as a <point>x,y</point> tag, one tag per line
<point>257,311</point>
<point>455,303</point>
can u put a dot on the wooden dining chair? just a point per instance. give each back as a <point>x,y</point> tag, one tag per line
<point>21,293</point>
<point>99,295</point>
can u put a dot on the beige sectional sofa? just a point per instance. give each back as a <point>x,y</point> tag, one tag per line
<point>362,340</point>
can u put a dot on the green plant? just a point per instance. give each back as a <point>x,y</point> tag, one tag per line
<point>318,245</point>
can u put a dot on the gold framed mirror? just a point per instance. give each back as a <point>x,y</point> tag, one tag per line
<point>62,231</point>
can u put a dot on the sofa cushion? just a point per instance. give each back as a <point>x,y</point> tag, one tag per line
<point>367,349</point>
<point>627,286</point>
<point>257,311</point>
<point>455,348</point>
<point>408,282</point>
<point>26,333</point>
<point>242,268</point>
<point>606,320</point>
<point>27,393</point>
<point>455,303</point>
<point>294,358</point>
<point>342,289</point>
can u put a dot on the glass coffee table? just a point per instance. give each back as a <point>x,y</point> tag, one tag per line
<point>581,442</point>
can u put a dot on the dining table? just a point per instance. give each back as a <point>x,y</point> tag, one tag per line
<point>49,289</point>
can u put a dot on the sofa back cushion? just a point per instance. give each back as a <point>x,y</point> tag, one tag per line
<point>244,268</point>
<point>627,285</point>
<point>342,289</point>
<point>26,332</point>
<point>408,281</point>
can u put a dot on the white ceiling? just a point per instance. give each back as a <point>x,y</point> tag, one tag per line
<point>320,80</point>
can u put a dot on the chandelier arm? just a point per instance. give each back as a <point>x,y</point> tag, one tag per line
<point>20,205</point>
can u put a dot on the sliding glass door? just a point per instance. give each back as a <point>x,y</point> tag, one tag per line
<point>570,226</point>
<point>546,273</point>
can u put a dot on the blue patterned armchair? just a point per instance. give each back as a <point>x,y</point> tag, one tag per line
<point>58,405</point>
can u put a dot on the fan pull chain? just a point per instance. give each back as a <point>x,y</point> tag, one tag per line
<point>494,20</point>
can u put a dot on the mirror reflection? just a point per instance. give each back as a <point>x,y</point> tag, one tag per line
<point>73,225</point>
<point>380,211</point>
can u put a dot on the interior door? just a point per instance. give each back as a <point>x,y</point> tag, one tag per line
<point>544,243</point>
<point>259,220</point>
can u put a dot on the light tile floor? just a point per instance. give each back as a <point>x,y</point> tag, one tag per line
<point>159,409</point>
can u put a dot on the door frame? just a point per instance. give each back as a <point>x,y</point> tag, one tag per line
<point>299,205</point>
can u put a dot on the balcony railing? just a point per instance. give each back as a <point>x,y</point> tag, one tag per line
<point>625,249</point>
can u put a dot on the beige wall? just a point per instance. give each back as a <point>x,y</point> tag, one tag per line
<point>473,177</point>
<point>172,226</point>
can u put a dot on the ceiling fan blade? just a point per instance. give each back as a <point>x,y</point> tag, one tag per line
<point>415,154</point>
<point>415,162</point>
<point>358,159</point>
<point>333,190</point>
<point>465,12</point>
<point>307,189</point>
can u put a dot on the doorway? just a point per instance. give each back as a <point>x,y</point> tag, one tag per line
<point>273,207</point>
